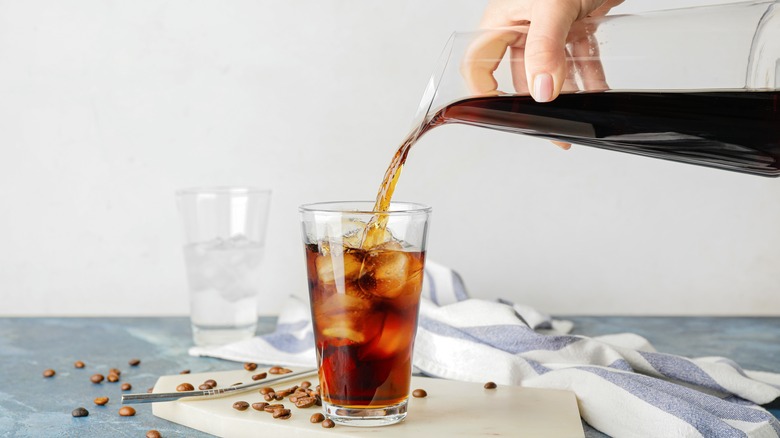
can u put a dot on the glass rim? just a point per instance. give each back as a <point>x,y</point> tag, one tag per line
<point>222,190</point>
<point>341,207</point>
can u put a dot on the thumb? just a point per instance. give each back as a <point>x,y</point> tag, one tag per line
<point>545,61</point>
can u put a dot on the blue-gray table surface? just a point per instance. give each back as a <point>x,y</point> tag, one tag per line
<point>33,406</point>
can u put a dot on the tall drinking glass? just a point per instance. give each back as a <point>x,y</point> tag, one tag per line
<point>225,241</point>
<point>364,303</point>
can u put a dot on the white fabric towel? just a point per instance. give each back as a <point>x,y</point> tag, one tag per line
<point>624,387</point>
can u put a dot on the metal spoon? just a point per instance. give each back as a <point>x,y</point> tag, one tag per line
<point>208,393</point>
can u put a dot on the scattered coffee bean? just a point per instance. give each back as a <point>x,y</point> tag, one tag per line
<point>112,378</point>
<point>317,418</point>
<point>185,387</point>
<point>284,393</point>
<point>115,371</point>
<point>96,378</point>
<point>100,401</point>
<point>204,387</point>
<point>282,414</point>
<point>278,397</point>
<point>269,397</point>
<point>153,434</point>
<point>78,364</point>
<point>49,373</point>
<point>279,370</point>
<point>150,390</point>
<point>328,423</point>
<point>419,393</point>
<point>126,411</point>
<point>490,385</point>
<point>259,376</point>
<point>260,406</point>
<point>134,363</point>
<point>211,382</point>
<point>184,372</point>
<point>271,408</point>
<point>318,400</point>
<point>305,384</point>
<point>249,366</point>
<point>126,387</point>
<point>80,412</point>
<point>265,390</point>
<point>305,402</point>
<point>240,405</point>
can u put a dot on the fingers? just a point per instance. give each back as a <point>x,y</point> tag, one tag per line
<point>482,59</point>
<point>545,62</point>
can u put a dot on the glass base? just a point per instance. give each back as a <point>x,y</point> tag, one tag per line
<point>208,336</point>
<point>365,417</point>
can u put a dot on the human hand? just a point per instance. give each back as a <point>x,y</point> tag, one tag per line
<point>543,51</point>
<point>538,52</point>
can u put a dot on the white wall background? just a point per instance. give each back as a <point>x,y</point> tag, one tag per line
<point>108,106</point>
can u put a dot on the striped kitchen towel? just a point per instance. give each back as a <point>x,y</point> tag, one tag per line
<point>624,387</point>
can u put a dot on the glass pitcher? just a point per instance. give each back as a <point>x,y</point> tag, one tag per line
<point>697,85</point>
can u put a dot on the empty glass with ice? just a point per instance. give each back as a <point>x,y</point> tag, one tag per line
<point>365,272</point>
<point>225,241</point>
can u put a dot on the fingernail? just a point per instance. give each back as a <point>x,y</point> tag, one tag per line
<point>543,87</point>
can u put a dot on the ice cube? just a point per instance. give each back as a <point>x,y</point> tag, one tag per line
<point>333,268</point>
<point>395,337</point>
<point>347,318</point>
<point>385,271</point>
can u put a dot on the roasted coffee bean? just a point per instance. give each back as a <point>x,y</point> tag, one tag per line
<point>80,412</point>
<point>269,397</point>
<point>184,372</point>
<point>78,364</point>
<point>100,401</point>
<point>265,390</point>
<point>126,411</point>
<point>328,423</point>
<point>115,371</point>
<point>134,362</point>
<point>96,378</point>
<point>260,406</point>
<point>204,387</point>
<point>240,405</point>
<point>271,408</point>
<point>150,390</point>
<point>284,393</point>
<point>278,397</point>
<point>153,434</point>
<point>305,384</point>
<point>318,400</point>
<point>249,366</point>
<point>305,402</point>
<point>112,378</point>
<point>419,393</point>
<point>490,385</point>
<point>126,387</point>
<point>317,418</point>
<point>49,373</point>
<point>211,382</point>
<point>259,376</point>
<point>279,370</point>
<point>282,414</point>
<point>185,387</point>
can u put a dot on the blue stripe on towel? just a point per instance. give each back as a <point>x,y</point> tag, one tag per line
<point>285,339</point>
<point>702,411</point>
<point>431,286</point>
<point>510,338</point>
<point>459,287</point>
<point>678,368</point>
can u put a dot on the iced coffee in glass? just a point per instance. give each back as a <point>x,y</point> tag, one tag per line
<point>365,272</point>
